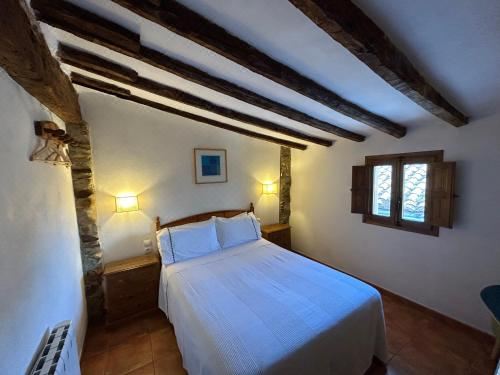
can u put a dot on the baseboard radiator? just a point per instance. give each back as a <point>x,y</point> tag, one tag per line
<point>59,355</point>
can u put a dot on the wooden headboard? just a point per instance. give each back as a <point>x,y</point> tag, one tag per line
<point>201,217</point>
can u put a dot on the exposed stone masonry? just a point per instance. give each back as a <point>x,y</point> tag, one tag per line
<point>285,184</point>
<point>83,186</point>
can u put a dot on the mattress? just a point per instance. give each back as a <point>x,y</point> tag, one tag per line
<point>259,309</point>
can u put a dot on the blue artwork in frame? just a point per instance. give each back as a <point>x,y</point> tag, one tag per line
<point>210,165</point>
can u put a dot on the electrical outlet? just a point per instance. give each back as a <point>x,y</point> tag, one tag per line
<point>148,246</point>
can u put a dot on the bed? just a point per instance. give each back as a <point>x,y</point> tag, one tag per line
<point>256,308</point>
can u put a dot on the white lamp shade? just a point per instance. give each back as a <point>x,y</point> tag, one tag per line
<point>127,204</point>
<point>270,188</point>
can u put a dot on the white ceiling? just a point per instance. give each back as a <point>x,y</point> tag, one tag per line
<point>454,43</point>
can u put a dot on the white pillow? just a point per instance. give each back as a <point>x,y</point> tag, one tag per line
<point>256,221</point>
<point>237,230</point>
<point>187,241</point>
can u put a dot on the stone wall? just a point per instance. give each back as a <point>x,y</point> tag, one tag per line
<point>285,184</point>
<point>83,186</point>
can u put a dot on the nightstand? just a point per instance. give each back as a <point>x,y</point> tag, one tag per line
<point>278,234</point>
<point>131,286</point>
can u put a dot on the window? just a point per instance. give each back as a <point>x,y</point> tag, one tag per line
<point>412,192</point>
<point>414,189</point>
<point>382,184</point>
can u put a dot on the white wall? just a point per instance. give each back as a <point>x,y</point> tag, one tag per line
<point>149,153</point>
<point>40,265</point>
<point>444,273</point>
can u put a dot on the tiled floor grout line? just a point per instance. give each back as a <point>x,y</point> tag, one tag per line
<point>152,352</point>
<point>404,346</point>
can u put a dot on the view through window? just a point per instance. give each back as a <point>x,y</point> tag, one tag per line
<point>414,192</point>
<point>382,184</point>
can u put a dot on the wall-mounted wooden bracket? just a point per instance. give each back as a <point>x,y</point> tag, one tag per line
<point>54,143</point>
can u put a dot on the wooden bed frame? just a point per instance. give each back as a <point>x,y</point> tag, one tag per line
<point>201,217</point>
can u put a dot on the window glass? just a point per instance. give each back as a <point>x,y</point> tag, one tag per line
<point>414,186</point>
<point>382,184</point>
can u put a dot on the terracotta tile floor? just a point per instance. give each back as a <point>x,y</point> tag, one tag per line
<point>142,346</point>
<point>418,344</point>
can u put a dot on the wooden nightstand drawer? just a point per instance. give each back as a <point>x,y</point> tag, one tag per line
<point>117,293</point>
<point>132,306</point>
<point>130,303</point>
<point>279,234</point>
<point>131,286</point>
<point>135,276</point>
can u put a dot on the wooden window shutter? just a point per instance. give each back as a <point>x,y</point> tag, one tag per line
<point>360,191</point>
<point>442,193</point>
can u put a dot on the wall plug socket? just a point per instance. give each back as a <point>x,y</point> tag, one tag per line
<point>148,246</point>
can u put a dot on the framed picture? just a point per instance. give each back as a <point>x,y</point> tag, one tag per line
<point>210,165</point>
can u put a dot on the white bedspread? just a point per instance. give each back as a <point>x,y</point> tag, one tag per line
<point>259,309</point>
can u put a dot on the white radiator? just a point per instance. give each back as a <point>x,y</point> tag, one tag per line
<point>59,356</point>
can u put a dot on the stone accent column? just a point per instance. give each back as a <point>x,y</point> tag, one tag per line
<point>80,153</point>
<point>285,184</point>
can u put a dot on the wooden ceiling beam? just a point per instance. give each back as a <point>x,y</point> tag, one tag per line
<point>120,73</point>
<point>107,88</point>
<point>25,56</point>
<point>344,22</point>
<point>87,25</point>
<point>189,24</point>
<point>82,23</point>
<point>84,60</point>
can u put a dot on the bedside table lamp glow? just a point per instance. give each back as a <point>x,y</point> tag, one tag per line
<point>127,204</point>
<point>270,188</point>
